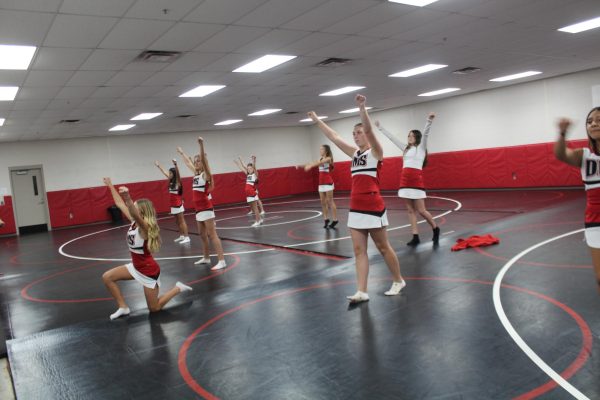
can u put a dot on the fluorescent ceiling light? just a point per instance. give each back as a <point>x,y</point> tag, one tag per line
<point>122,127</point>
<point>343,90</point>
<point>417,71</point>
<point>264,112</point>
<point>264,63</point>
<point>310,120</point>
<point>2,121</point>
<point>16,57</point>
<point>582,26</point>
<point>145,116</point>
<point>515,76</point>
<point>353,110</point>
<point>8,93</point>
<point>441,91</point>
<point>202,90</point>
<point>418,3</point>
<point>229,122</point>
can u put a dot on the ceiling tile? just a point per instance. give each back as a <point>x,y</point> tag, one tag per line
<point>47,78</point>
<point>31,5</point>
<point>129,78</point>
<point>106,8</point>
<point>222,11</point>
<point>275,13</point>
<point>105,59</point>
<point>23,28</point>
<point>193,61</point>
<point>162,9</point>
<point>55,58</point>
<point>134,34</point>
<point>12,78</point>
<point>76,92</point>
<point>328,14</point>
<point>185,36</point>
<point>230,39</point>
<point>78,31</point>
<point>165,78</point>
<point>90,78</point>
<point>273,41</point>
<point>38,93</point>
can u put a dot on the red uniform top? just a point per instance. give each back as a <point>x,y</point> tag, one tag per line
<point>251,182</point>
<point>365,196</point>
<point>176,197</point>
<point>325,174</point>
<point>140,255</point>
<point>590,174</point>
<point>201,198</point>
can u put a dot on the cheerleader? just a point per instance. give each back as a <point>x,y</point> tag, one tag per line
<point>143,239</point>
<point>251,189</point>
<point>367,215</point>
<point>326,185</point>
<point>176,199</point>
<point>412,188</point>
<point>205,215</point>
<point>588,160</point>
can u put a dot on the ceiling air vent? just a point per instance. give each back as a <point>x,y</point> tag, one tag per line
<point>333,62</point>
<point>69,121</point>
<point>291,112</point>
<point>185,116</point>
<point>158,56</point>
<point>466,70</point>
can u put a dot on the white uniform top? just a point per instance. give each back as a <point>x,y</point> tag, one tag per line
<point>364,164</point>
<point>251,179</point>
<point>590,169</point>
<point>199,183</point>
<point>324,167</point>
<point>135,241</point>
<point>415,156</point>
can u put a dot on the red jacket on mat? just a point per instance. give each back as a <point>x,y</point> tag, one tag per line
<point>475,241</point>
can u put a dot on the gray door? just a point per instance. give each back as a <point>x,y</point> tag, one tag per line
<point>29,197</point>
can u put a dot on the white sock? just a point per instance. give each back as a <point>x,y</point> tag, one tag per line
<point>119,313</point>
<point>220,265</point>
<point>183,288</point>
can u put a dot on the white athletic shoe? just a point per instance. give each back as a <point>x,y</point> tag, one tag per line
<point>220,265</point>
<point>256,223</point>
<point>395,289</point>
<point>358,297</point>
<point>121,312</point>
<point>179,239</point>
<point>262,213</point>
<point>185,240</point>
<point>250,212</point>
<point>183,288</point>
<point>203,261</point>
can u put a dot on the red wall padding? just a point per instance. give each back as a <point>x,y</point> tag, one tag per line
<point>7,215</point>
<point>505,167</point>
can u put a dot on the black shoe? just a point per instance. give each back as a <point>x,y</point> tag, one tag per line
<point>326,224</point>
<point>415,241</point>
<point>333,224</point>
<point>436,234</point>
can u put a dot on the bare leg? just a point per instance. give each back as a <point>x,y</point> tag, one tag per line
<point>260,206</point>
<point>331,204</point>
<point>211,230</point>
<point>359,242</point>
<point>412,216</point>
<point>323,197</point>
<point>596,262</point>
<point>254,207</point>
<point>380,238</point>
<point>156,303</point>
<point>420,206</point>
<point>111,277</point>
<point>183,229</point>
<point>204,237</point>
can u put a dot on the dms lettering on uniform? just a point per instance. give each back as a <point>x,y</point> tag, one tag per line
<point>131,239</point>
<point>196,180</point>
<point>359,161</point>
<point>591,167</point>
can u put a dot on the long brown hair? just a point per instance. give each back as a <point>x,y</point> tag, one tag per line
<point>418,136</point>
<point>148,213</point>
<point>329,154</point>
<point>592,143</point>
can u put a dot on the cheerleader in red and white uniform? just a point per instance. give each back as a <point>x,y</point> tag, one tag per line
<point>412,188</point>
<point>143,239</point>
<point>202,185</point>
<point>588,160</point>
<point>367,215</point>
<point>326,185</point>
<point>176,199</point>
<point>251,188</point>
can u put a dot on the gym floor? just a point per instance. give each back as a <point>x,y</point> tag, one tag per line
<point>276,324</point>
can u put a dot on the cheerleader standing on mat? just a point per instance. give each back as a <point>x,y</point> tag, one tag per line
<point>588,160</point>
<point>412,188</point>
<point>205,215</point>
<point>251,190</point>
<point>176,199</point>
<point>326,185</point>
<point>143,239</point>
<point>367,215</point>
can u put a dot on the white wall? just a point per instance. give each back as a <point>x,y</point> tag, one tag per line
<point>507,116</point>
<point>77,163</point>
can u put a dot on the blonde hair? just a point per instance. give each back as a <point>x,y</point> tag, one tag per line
<point>149,215</point>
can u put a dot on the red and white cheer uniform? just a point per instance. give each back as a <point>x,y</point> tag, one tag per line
<point>143,267</point>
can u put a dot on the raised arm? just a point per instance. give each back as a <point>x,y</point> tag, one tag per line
<point>187,160</point>
<point>133,211</point>
<point>426,130</point>
<point>399,143</point>
<point>240,164</point>
<point>177,173</point>
<point>204,161</point>
<point>309,166</point>
<point>561,151</point>
<point>376,148</point>
<point>117,198</point>
<point>332,135</point>
<point>253,158</point>
<point>165,173</point>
